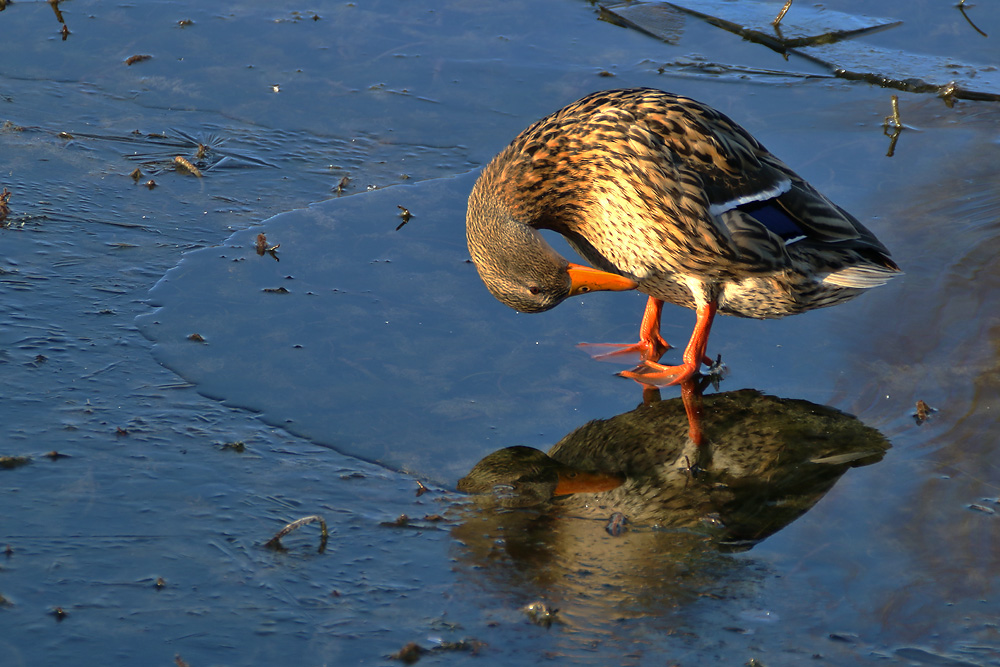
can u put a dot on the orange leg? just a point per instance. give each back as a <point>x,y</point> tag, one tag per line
<point>651,345</point>
<point>659,375</point>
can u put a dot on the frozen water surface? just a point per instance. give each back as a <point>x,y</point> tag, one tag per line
<point>158,466</point>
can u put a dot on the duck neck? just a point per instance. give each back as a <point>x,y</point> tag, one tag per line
<point>496,237</point>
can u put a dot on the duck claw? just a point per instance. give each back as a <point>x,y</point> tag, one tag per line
<point>717,372</point>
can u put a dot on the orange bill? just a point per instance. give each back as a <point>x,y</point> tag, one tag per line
<point>577,481</point>
<point>585,279</point>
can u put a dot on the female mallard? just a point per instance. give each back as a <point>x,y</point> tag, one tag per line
<point>668,196</point>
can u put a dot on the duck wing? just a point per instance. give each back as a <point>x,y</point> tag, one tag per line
<point>646,181</point>
<point>754,200</point>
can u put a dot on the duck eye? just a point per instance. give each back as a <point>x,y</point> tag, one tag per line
<point>534,289</point>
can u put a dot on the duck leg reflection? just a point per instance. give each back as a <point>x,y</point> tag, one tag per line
<point>650,395</point>
<point>696,453</point>
<point>651,345</point>
<point>691,395</point>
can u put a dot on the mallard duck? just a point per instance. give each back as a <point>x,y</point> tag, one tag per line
<point>665,195</point>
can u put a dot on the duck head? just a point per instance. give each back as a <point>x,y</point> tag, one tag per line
<point>518,266</point>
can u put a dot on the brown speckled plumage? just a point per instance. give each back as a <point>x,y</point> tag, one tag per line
<point>673,195</point>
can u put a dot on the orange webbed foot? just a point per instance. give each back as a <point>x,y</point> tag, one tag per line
<point>659,375</point>
<point>648,350</point>
<point>651,345</point>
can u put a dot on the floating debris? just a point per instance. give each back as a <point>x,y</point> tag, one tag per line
<point>64,31</point>
<point>923,412</point>
<point>894,120</point>
<point>131,60</point>
<point>409,654</point>
<point>421,489</point>
<point>541,614</point>
<point>781,14</point>
<point>961,7</point>
<point>182,164</point>
<point>405,215</point>
<point>208,150</point>
<point>197,338</point>
<point>263,248</point>
<point>412,651</point>
<point>402,521</point>
<point>892,126</point>
<point>4,208</point>
<point>136,175</point>
<point>341,185</point>
<point>473,646</point>
<point>11,462</point>
<point>275,542</point>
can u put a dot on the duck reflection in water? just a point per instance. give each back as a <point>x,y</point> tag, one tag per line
<point>764,462</point>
